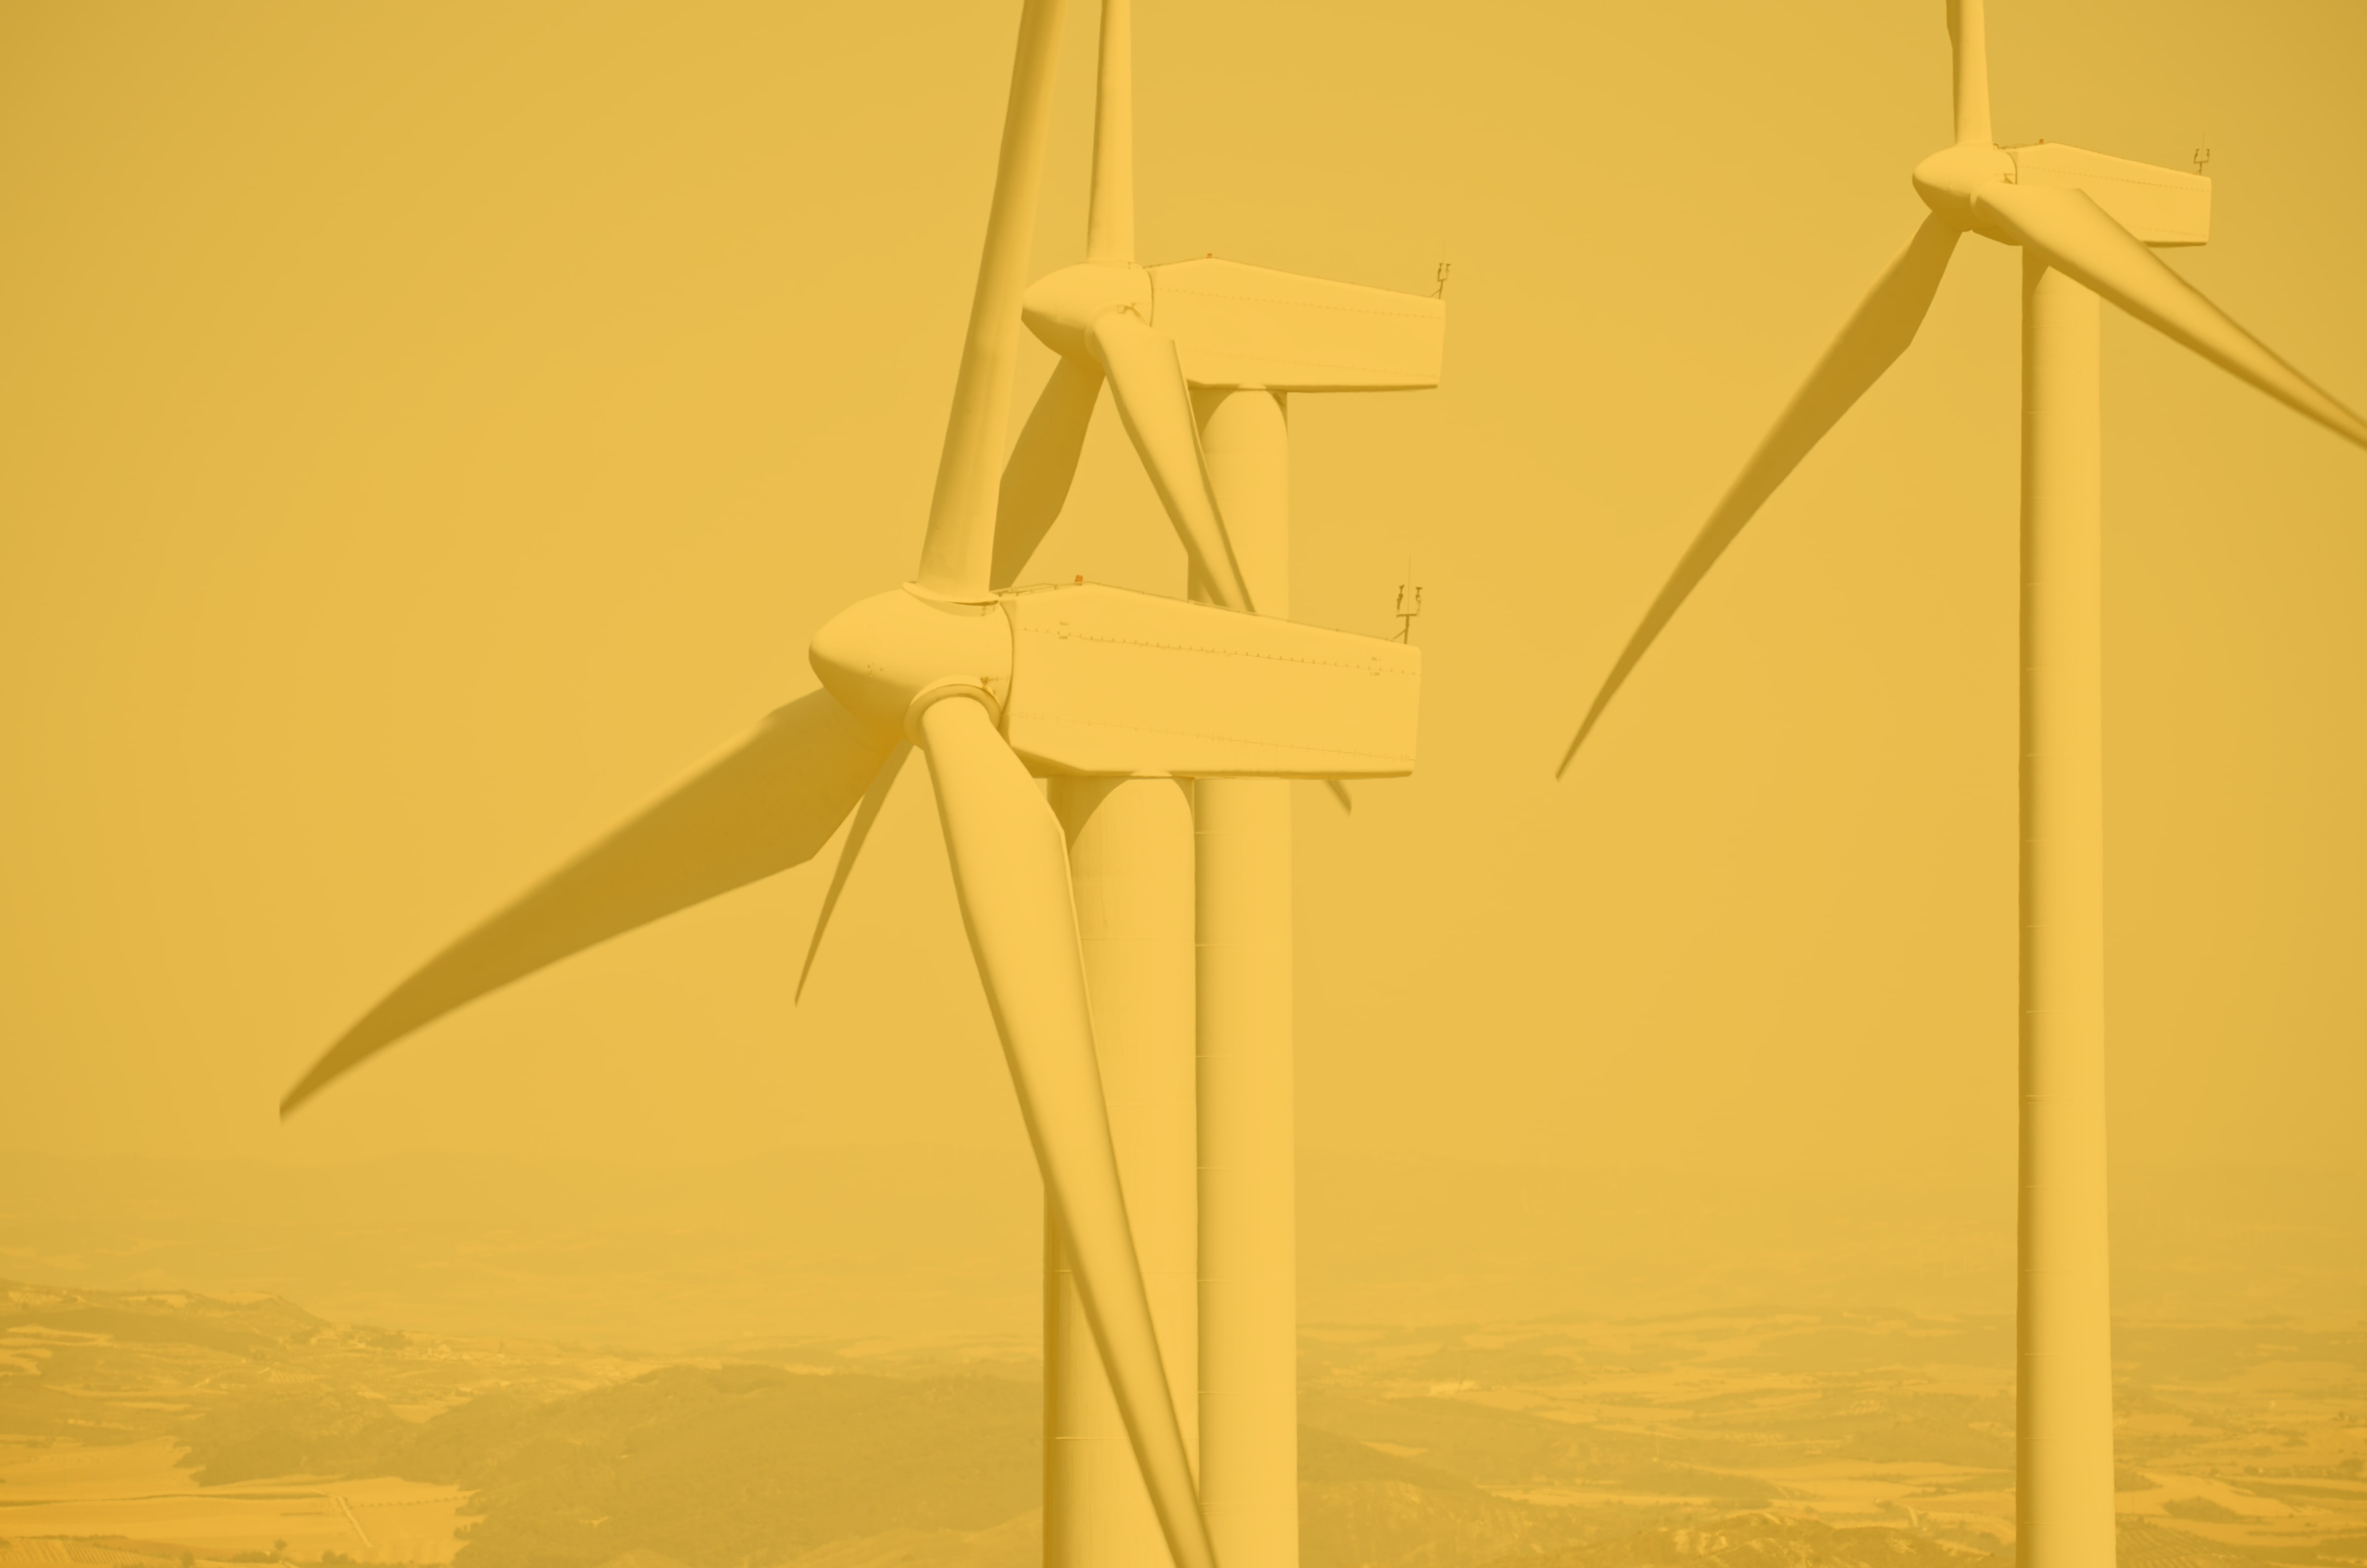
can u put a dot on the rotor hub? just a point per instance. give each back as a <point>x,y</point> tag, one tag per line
<point>891,654</point>
<point>1950,180</point>
<point>1061,307</point>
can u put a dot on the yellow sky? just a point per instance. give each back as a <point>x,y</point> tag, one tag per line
<point>423,430</point>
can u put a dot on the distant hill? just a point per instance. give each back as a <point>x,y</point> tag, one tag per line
<point>1767,1439</point>
<point>575,1459</point>
<point>738,1464</point>
<point>580,1460</point>
<point>255,1385</point>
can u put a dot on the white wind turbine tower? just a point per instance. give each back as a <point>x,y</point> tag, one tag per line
<point>1115,697</point>
<point>2083,221</point>
<point>1199,356</point>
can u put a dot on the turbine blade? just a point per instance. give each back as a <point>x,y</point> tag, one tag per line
<point>1146,380</point>
<point>857,830</point>
<point>957,553</point>
<point>1043,464</point>
<point>1109,220</point>
<point>760,806</point>
<point>1969,44</point>
<point>2073,234</point>
<point>1011,870</point>
<point>1874,337</point>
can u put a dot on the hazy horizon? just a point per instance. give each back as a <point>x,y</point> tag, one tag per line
<point>941,1245</point>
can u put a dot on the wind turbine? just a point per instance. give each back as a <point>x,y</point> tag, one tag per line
<point>993,688</point>
<point>2083,221</point>
<point>1199,356</point>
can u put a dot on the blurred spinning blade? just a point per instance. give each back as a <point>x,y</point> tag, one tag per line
<point>760,806</point>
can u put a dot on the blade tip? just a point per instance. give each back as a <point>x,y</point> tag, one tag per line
<point>1585,729</point>
<point>326,1071</point>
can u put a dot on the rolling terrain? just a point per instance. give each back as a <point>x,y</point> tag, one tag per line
<point>162,1428</point>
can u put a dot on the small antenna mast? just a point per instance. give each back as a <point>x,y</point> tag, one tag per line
<point>1409,604</point>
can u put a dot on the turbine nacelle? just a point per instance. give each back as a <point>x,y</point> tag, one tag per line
<point>888,657</point>
<point>2161,207</point>
<point>1108,681</point>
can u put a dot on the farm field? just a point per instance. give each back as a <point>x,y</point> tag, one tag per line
<point>2238,1442</point>
<point>140,1491</point>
